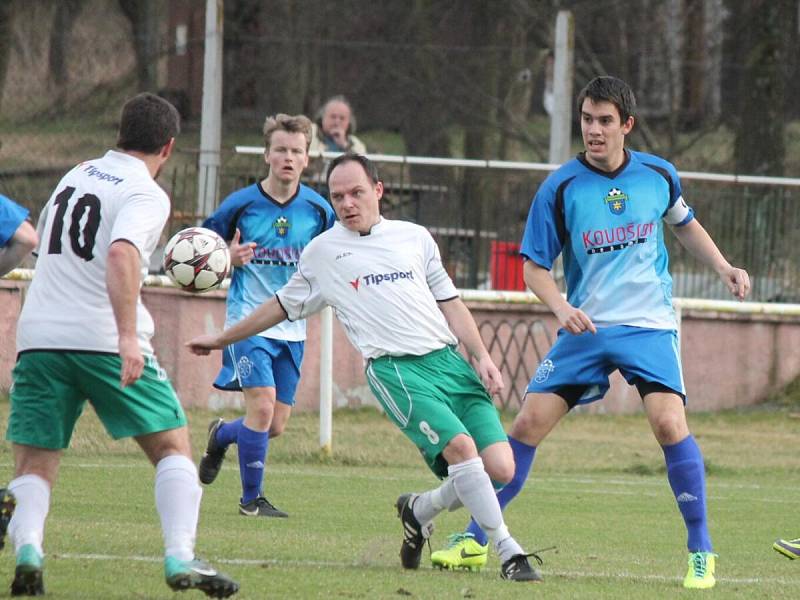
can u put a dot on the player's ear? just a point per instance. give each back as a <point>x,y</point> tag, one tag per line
<point>628,125</point>
<point>166,150</point>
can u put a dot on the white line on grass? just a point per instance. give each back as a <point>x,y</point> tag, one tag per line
<point>329,472</point>
<point>551,479</point>
<point>359,565</point>
<point>580,480</point>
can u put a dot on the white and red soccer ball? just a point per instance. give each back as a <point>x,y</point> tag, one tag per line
<point>197,259</point>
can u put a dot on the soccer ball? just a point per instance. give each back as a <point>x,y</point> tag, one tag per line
<point>197,259</point>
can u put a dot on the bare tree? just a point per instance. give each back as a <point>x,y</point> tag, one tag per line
<point>64,18</point>
<point>6,15</point>
<point>142,15</point>
<point>759,54</point>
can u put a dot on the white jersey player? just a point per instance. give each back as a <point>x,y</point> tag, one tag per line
<point>386,283</point>
<point>98,202</point>
<point>84,334</point>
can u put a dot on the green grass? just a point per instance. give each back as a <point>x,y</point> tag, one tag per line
<point>598,492</point>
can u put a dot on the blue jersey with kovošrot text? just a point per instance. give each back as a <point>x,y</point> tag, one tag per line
<point>608,226</point>
<point>280,232</point>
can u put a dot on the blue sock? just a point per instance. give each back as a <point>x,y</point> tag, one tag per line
<point>252,454</point>
<point>228,433</point>
<point>687,477</point>
<point>523,458</point>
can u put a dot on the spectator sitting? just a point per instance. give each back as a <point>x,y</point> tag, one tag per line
<point>334,128</point>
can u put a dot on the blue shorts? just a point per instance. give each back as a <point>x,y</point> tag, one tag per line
<point>262,362</point>
<point>577,366</point>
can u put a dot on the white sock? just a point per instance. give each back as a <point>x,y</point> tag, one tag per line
<point>475,490</point>
<point>508,547</point>
<point>33,503</point>
<point>178,496</point>
<point>431,503</point>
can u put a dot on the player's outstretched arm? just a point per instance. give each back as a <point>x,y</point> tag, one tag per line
<point>463,325</point>
<point>19,246</point>
<point>696,240</point>
<point>265,316</point>
<point>540,281</point>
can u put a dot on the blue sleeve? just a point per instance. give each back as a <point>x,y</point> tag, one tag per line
<point>224,219</point>
<point>331,216</point>
<point>12,215</point>
<point>327,217</point>
<point>667,171</point>
<point>544,236</point>
<point>676,191</point>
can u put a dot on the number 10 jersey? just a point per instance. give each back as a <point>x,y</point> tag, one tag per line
<point>97,203</point>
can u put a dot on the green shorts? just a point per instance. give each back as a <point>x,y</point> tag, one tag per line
<point>432,399</point>
<point>50,389</point>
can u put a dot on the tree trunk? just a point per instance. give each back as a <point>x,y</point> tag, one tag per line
<point>761,32</point>
<point>142,16</point>
<point>66,14</point>
<point>6,18</point>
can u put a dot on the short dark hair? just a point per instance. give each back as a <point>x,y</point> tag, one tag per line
<point>147,124</point>
<point>369,167</point>
<point>610,89</point>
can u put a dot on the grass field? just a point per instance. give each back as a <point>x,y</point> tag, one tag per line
<point>598,492</point>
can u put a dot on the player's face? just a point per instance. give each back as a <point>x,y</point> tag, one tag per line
<point>604,134</point>
<point>287,156</point>
<point>355,198</point>
<point>336,119</point>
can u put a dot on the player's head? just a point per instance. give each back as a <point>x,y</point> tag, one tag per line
<point>148,124</point>
<point>289,124</point>
<point>606,107</point>
<point>610,89</point>
<point>355,191</point>
<point>337,113</point>
<point>286,141</point>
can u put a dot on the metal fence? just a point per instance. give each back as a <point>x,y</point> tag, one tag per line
<point>477,215</point>
<point>476,210</point>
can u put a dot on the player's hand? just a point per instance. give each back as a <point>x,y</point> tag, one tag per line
<point>574,320</point>
<point>241,253</point>
<point>738,282</point>
<point>490,375</point>
<point>132,360</point>
<point>202,345</point>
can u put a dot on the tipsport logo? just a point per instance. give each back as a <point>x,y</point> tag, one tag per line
<point>374,279</point>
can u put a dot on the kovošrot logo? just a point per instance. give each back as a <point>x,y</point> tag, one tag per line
<point>379,278</point>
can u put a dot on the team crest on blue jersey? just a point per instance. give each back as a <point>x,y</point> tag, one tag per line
<point>281,226</point>
<point>616,201</point>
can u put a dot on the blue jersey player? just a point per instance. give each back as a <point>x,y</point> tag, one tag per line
<point>604,212</point>
<point>17,235</point>
<point>268,224</point>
